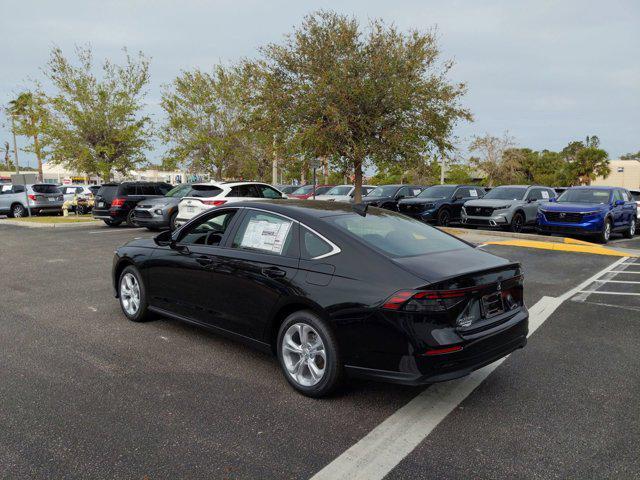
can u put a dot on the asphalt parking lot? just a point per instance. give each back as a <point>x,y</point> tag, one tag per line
<point>87,394</point>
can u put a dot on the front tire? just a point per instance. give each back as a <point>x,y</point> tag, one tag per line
<point>605,234</point>
<point>308,354</point>
<point>112,223</point>
<point>132,295</point>
<point>631,231</point>
<point>517,223</point>
<point>444,217</point>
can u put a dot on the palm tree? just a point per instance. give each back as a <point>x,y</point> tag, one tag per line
<point>29,111</point>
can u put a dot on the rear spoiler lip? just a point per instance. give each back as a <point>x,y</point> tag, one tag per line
<point>506,266</point>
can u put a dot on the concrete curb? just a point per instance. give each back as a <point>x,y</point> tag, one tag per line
<point>18,223</point>
<point>461,232</point>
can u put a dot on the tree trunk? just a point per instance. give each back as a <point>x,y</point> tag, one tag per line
<point>325,169</point>
<point>303,173</point>
<point>36,147</point>
<point>357,170</point>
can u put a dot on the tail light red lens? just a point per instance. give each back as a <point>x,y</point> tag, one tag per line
<point>32,197</point>
<point>215,203</point>
<point>117,202</point>
<point>442,351</point>
<point>424,300</point>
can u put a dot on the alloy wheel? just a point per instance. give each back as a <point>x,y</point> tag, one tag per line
<point>607,230</point>
<point>304,354</point>
<point>130,294</point>
<point>516,224</point>
<point>632,227</point>
<point>18,211</point>
<point>444,218</point>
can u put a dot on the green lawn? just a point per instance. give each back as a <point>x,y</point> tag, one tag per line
<point>53,219</point>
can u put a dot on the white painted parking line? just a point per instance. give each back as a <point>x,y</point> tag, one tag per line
<point>625,271</point>
<point>378,452</point>
<point>591,292</point>
<point>133,229</point>
<point>619,281</point>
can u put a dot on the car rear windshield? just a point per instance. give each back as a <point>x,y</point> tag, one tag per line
<point>46,189</point>
<point>340,190</point>
<point>438,191</point>
<point>179,191</point>
<point>202,191</point>
<point>395,234</point>
<point>506,193</point>
<point>303,190</point>
<point>585,195</point>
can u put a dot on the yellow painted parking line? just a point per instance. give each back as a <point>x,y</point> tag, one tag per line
<point>583,247</point>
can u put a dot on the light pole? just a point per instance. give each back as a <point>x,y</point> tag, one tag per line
<point>442,167</point>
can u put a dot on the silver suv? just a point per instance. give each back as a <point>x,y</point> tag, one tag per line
<point>510,207</point>
<point>40,197</point>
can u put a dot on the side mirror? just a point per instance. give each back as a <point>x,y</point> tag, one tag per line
<point>164,239</point>
<point>458,197</point>
<point>400,197</point>
<point>619,203</point>
<point>553,199</point>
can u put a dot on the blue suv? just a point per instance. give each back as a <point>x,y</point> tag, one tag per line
<point>596,211</point>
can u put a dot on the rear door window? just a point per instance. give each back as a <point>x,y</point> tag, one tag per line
<point>127,190</point>
<point>268,192</point>
<point>18,189</point>
<point>265,233</point>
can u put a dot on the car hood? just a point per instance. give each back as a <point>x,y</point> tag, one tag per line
<point>573,207</point>
<point>160,201</point>
<point>419,200</point>
<point>442,265</point>
<point>491,203</point>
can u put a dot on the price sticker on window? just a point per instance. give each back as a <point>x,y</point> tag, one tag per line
<point>265,235</point>
<point>545,194</point>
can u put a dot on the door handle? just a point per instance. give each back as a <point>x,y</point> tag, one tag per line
<point>205,261</point>
<point>274,272</point>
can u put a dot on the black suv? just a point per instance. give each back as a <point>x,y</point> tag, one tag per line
<point>440,204</point>
<point>388,196</point>
<point>115,202</point>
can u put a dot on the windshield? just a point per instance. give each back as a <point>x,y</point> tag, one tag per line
<point>303,190</point>
<point>438,191</point>
<point>179,191</point>
<point>340,190</point>
<point>388,191</point>
<point>506,193</point>
<point>584,195</point>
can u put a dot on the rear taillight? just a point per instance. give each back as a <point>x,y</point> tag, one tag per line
<point>32,197</point>
<point>215,203</point>
<point>117,202</point>
<point>425,300</point>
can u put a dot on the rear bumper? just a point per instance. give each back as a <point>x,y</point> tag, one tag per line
<point>108,214</point>
<point>481,350</point>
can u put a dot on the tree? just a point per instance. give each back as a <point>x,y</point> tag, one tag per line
<point>357,97</point>
<point>491,160</point>
<point>585,161</point>
<point>29,109</point>
<point>96,124</point>
<point>205,122</point>
<point>631,156</point>
<point>7,156</point>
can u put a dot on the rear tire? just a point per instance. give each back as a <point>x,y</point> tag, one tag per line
<point>132,295</point>
<point>131,222</point>
<point>631,231</point>
<point>18,211</point>
<point>113,223</point>
<point>605,234</point>
<point>308,354</point>
<point>172,221</point>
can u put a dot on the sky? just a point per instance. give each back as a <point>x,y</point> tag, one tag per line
<point>545,72</point>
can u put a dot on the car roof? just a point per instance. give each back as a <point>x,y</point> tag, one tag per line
<point>593,187</point>
<point>300,209</point>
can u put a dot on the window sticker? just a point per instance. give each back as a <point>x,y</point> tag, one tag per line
<point>265,235</point>
<point>473,192</point>
<point>545,194</point>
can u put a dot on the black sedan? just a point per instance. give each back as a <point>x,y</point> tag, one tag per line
<point>332,290</point>
<point>388,196</point>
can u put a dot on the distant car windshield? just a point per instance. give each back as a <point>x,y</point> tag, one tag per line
<point>322,190</point>
<point>386,191</point>
<point>585,195</point>
<point>438,191</point>
<point>179,191</point>
<point>339,190</point>
<point>395,234</point>
<point>506,193</point>
<point>202,191</point>
<point>303,190</point>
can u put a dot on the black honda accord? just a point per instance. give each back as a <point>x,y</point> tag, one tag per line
<point>332,290</point>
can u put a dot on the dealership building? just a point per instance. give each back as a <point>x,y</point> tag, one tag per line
<point>624,173</point>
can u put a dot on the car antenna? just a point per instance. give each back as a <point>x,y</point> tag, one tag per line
<point>360,208</point>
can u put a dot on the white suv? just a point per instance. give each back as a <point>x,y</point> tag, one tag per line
<point>344,193</point>
<point>215,194</point>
